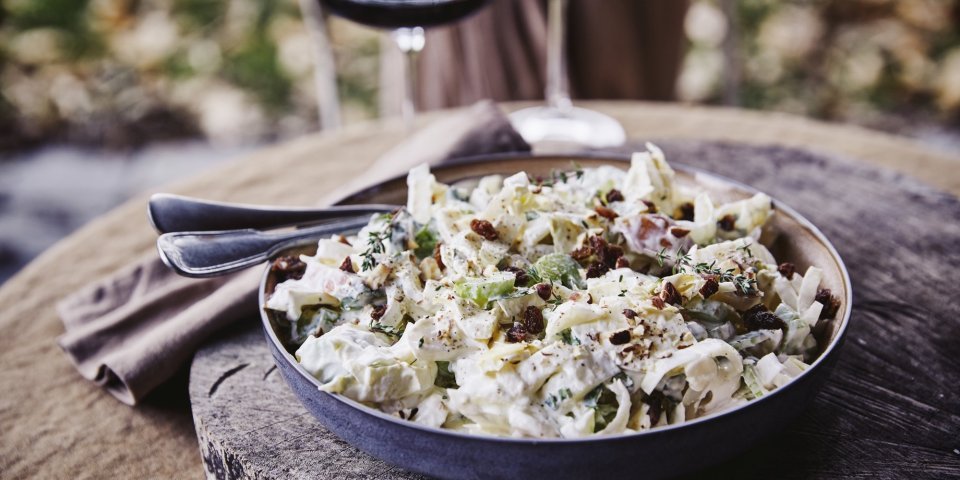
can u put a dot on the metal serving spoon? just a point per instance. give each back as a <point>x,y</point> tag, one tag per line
<point>209,254</point>
<point>175,213</point>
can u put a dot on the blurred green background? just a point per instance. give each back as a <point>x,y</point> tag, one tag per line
<point>121,73</point>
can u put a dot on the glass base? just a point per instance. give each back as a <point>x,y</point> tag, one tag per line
<point>569,124</point>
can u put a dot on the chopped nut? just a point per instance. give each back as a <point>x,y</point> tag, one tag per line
<point>289,268</point>
<point>533,319</point>
<point>484,229</point>
<point>727,223</point>
<point>378,311</point>
<point>347,266</point>
<point>582,253</point>
<point>831,305</point>
<point>429,269</point>
<point>709,288</point>
<point>658,302</point>
<point>437,257</point>
<point>605,212</point>
<point>621,337</point>
<point>614,195</point>
<point>679,232</point>
<point>686,211</point>
<point>787,269</point>
<point>669,294</point>
<point>343,240</point>
<point>544,290</point>
<point>629,313</point>
<point>517,333</point>
<point>651,207</point>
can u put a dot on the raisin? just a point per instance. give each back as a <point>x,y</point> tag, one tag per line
<point>651,207</point>
<point>517,333</point>
<point>669,294</point>
<point>597,270</point>
<point>289,268</point>
<point>629,313</point>
<point>378,311</point>
<point>533,320</point>
<point>621,337</point>
<point>622,262</point>
<point>787,269</point>
<point>831,305</point>
<point>544,290</point>
<point>655,400</point>
<point>611,254</point>
<point>709,288</point>
<point>484,229</point>
<point>727,223</point>
<point>347,266</point>
<point>598,244</point>
<point>582,253</point>
<point>679,232</point>
<point>614,196</point>
<point>521,276</point>
<point>759,318</point>
<point>686,211</point>
<point>605,212</point>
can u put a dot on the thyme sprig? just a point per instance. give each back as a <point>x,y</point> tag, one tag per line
<point>559,176</point>
<point>375,242</point>
<point>683,262</point>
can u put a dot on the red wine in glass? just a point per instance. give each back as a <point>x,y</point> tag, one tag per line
<point>393,14</point>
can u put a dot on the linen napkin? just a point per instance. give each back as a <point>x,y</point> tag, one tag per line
<point>131,331</point>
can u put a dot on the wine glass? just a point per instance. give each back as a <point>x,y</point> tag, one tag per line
<point>406,19</point>
<point>559,120</point>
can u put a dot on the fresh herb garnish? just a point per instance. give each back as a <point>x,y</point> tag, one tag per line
<point>553,401</point>
<point>375,243</point>
<point>566,336</point>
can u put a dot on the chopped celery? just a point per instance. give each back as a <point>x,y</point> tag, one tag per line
<point>480,290</point>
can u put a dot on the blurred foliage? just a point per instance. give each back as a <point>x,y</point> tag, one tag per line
<point>882,63</point>
<point>124,72</point>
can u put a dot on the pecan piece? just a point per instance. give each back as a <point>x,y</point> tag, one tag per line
<point>347,266</point>
<point>679,232</point>
<point>484,229</point>
<point>651,207</point>
<point>614,195</point>
<point>437,257</point>
<point>686,211</point>
<point>378,311</point>
<point>289,267</point>
<point>533,319</point>
<point>658,302</point>
<point>621,337</point>
<point>629,313</point>
<point>787,269</point>
<point>669,294</point>
<point>605,212</point>
<point>709,288</point>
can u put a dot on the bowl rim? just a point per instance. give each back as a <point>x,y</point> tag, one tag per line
<point>830,350</point>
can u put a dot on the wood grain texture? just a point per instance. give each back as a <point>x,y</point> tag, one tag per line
<point>890,408</point>
<point>59,425</point>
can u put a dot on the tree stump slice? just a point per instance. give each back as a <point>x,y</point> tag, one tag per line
<point>890,408</point>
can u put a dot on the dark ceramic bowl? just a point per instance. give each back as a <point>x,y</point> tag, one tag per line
<point>666,451</point>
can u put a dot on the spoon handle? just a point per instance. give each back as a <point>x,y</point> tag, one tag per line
<point>175,213</point>
<point>209,254</point>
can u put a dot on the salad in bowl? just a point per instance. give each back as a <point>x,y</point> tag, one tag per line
<point>594,301</point>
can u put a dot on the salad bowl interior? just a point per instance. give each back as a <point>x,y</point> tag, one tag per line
<point>693,445</point>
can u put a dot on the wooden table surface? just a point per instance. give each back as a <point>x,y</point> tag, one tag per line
<point>58,425</point>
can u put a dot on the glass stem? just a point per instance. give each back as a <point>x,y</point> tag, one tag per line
<point>557,90</point>
<point>410,41</point>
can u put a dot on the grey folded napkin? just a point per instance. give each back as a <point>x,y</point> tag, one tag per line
<point>131,331</point>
